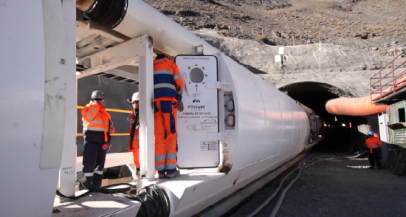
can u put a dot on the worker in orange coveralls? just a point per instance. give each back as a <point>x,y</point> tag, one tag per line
<point>374,150</point>
<point>134,119</point>
<point>168,87</point>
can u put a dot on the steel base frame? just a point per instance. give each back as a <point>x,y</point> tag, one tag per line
<point>139,52</point>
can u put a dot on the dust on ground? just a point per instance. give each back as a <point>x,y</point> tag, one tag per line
<point>339,187</point>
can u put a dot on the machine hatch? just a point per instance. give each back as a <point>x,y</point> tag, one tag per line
<point>199,119</point>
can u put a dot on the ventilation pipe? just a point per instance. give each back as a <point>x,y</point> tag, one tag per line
<point>362,106</point>
<point>134,18</point>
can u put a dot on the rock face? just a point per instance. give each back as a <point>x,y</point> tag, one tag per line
<point>340,43</point>
<point>353,23</point>
<point>348,69</point>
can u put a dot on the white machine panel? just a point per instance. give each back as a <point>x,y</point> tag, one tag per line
<point>197,125</point>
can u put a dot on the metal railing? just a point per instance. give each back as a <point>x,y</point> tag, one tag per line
<point>383,84</point>
<point>111,110</point>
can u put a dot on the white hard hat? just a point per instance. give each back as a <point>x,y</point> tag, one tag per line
<point>135,97</point>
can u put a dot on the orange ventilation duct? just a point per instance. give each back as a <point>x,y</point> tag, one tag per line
<point>361,106</point>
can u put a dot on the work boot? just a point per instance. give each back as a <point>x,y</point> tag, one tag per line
<point>173,175</point>
<point>161,176</point>
<point>88,184</point>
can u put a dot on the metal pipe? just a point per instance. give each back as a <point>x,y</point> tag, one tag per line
<point>138,18</point>
<point>169,37</point>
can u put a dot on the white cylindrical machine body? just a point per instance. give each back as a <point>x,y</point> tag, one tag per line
<point>268,122</point>
<point>270,129</point>
<point>33,100</point>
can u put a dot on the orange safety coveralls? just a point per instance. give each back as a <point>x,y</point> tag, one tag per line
<point>168,87</point>
<point>372,143</point>
<point>133,144</point>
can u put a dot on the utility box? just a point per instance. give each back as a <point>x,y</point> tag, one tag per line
<point>397,123</point>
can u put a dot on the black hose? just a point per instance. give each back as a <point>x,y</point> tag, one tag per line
<point>282,196</point>
<point>72,197</point>
<point>154,199</point>
<point>106,190</point>
<point>279,203</point>
<point>154,202</point>
<point>306,164</point>
<point>260,207</point>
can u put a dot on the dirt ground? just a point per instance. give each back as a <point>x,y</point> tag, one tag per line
<point>336,188</point>
<point>371,25</point>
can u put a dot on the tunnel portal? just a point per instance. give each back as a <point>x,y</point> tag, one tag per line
<point>342,134</point>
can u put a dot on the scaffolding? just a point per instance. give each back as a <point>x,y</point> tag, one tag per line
<point>384,83</point>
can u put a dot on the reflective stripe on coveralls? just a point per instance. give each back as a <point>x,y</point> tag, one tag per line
<point>133,145</point>
<point>167,79</point>
<point>373,143</point>
<point>136,148</point>
<point>96,118</point>
<point>168,83</point>
<point>165,137</point>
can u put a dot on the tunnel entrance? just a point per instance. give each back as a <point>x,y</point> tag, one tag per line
<point>341,134</point>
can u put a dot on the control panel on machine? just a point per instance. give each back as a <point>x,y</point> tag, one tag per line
<point>199,119</point>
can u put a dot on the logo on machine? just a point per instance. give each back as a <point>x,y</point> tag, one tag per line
<point>196,101</point>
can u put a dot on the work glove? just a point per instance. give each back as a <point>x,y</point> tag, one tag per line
<point>131,117</point>
<point>105,146</point>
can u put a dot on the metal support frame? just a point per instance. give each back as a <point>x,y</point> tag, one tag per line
<point>137,51</point>
<point>390,86</point>
<point>67,173</point>
<point>147,149</point>
<point>126,53</point>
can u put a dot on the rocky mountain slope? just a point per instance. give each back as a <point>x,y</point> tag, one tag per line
<point>373,25</point>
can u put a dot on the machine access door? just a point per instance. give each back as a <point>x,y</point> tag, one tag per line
<point>196,125</point>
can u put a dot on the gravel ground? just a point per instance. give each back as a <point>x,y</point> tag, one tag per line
<point>336,188</point>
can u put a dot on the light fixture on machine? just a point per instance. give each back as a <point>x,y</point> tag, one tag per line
<point>230,105</point>
<point>231,120</point>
